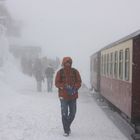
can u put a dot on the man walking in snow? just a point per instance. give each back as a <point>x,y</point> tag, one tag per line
<point>38,73</point>
<point>68,81</point>
<point>49,72</point>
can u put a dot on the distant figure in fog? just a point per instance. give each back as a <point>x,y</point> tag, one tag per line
<point>38,73</point>
<point>49,73</point>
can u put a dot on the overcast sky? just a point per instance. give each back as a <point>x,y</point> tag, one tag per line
<point>75,28</point>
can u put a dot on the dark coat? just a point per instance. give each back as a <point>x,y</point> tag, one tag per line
<point>38,71</point>
<point>49,72</point>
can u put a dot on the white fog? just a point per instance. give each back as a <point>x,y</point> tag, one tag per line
<point>75,28</point>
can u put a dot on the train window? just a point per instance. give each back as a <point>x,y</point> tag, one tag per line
<point>91,65</point>
<point>95,65</point>
<point>111,64</point>
<point>102,65</point>
<point>116,64</point>
<point>121,64</point>
<point>107,64</point>
<point>127,58</point>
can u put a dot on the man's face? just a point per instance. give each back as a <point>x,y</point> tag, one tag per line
<point>68,64</point>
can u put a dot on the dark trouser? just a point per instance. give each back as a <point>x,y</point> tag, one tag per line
<point>68,110</point>
<point>39,86</point>
<point>49,83</point>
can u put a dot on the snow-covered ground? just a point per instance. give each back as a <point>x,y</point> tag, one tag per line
<point>29,115</point>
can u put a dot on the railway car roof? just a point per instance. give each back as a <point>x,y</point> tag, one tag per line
<point>134,34</point>
<point>122,40</point>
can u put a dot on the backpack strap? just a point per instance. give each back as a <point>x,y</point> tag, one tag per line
<point>62,74</point>
<point>75,74</point>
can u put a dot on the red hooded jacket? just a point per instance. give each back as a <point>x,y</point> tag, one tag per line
<point>71,77</point>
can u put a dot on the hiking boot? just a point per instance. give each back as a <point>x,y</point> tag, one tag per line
<point>70,131</point>
<point>66,134</point>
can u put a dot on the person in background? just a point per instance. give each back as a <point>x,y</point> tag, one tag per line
<point>38,73</point>
<point>68,81</point>
<point>49,73</point>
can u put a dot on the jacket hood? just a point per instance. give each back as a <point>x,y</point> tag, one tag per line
<point>66,59</point>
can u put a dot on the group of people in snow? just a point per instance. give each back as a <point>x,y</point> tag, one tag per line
<point>68,81</point>
<point>40,74</point>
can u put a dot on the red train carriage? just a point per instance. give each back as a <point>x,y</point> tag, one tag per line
<point>117,75</point>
